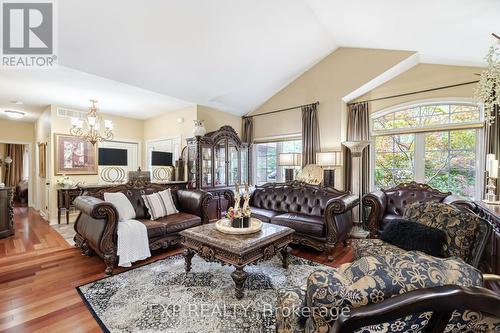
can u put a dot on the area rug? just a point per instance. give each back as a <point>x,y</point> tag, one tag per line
<point>161,297</point>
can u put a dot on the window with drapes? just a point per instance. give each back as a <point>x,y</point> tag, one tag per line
<point>266,168</point>
<point>434,143</point>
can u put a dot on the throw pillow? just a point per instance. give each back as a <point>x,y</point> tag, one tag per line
<point>412,236</point>
<point>122,204</point>
<point>160,204</point>
<point>460,226</point>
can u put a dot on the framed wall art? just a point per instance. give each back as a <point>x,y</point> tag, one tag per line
<point>74,156</point>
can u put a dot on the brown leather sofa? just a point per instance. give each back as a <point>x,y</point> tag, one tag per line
<point>96,226</point>
<point>320,216</point>
<point>387,205</point>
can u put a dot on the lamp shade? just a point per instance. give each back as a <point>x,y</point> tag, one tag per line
<point>356,146</point>
<point>331,158</point>
<point>290,159</point>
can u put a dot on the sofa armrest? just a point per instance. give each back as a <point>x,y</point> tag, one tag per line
<point>460,202</point>
<point>194,202</point>
<point>98,209</point>
<point>338,217</point>
<point>377,203</point>
<point>343,204</point>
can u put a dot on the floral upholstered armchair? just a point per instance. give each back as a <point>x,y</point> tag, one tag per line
<point>466,232</point>
<point>383,285</point>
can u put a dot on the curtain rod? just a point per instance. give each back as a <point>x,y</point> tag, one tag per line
<point>281,110</point>
<point>415,92</point>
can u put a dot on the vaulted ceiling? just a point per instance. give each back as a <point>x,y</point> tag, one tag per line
<point>235,54</point>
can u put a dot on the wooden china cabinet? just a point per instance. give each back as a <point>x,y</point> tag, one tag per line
<point>216,162</point>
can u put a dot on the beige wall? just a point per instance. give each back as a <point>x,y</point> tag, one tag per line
<point>124,129</point>
<point>335,76</point>
<point>328,82</point>
<point>422,77</point>
<point>16,131</point>
<point>215,119</point>
<point>12,131</point>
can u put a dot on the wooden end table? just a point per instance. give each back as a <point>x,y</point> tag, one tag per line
<point>236,250</point>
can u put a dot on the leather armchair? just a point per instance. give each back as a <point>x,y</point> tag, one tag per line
<point>320,216</point>
<point>387,205</point>
<point>96,226</point>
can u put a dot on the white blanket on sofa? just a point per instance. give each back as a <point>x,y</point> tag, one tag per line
<point>133,244</point>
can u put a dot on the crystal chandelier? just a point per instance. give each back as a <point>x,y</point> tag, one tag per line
<point>89,130</point>
<point>488,87</point>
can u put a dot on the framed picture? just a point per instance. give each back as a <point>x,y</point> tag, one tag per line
<point>74,156</point>
<point>42,160</point>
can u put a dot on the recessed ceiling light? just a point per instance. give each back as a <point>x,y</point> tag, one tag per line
<point>14,114</point>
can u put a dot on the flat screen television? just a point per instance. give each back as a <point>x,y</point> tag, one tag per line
<point>161,158</point>
<point>113,156</point>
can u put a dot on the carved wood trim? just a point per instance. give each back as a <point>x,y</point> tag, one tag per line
<point>414,186</point>
<point>298,185</point>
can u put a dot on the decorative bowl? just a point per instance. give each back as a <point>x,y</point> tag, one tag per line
<point>224,225</point>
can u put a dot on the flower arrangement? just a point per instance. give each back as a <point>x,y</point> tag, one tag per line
<point>240,216</point>
<point>65,181</point>
<point>488,88</point>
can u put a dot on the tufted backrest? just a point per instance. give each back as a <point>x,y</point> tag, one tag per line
<point>309,200</point>
<point>398,199</point>
<point>135,197</point>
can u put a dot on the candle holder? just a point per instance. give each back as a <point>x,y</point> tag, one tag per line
<point>491,197</point>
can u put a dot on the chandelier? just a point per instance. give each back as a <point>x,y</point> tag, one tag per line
<point>488,87</point>
<point>89,129</point>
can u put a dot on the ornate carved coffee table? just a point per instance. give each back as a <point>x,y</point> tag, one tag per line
<point>236,250</point>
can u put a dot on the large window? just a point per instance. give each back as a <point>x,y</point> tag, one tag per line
<point>437,144</point>
<point>266,160</point>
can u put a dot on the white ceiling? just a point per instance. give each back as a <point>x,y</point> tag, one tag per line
<point>232,54</point>
<point>37,89</point>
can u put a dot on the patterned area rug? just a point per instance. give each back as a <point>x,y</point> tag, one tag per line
<point>160,297</point>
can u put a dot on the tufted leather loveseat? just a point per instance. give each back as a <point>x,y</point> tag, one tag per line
<point>96,226</point>
<point>320,216</point>
<point>389,204</point>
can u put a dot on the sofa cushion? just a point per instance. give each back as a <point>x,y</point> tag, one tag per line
<point>155,229</point>
<point>262,214</point>
<point>410,236</point>
<point>388,218</point>
<point>301,223</point>
<point>460,226</point>
<point>373,279</point>
<point>178,222</point>
<point>122,204</point>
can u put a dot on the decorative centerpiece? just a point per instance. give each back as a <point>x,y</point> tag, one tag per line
<point>238,219</point>
<point>65,182</point>
<point>240,216</point>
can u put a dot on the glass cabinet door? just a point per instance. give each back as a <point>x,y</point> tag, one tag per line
<point>220,163</point>
<point>206,166</point>
<point>234,165</point>
<point>244,165</point>
<point>191,165</point>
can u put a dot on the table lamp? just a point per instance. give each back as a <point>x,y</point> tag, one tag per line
<point>290,160</point>
<point>329,161</point>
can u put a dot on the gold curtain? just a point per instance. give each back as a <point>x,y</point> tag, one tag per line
<point>14,171</point>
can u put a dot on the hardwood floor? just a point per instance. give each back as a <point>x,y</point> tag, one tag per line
<point>39,271</point>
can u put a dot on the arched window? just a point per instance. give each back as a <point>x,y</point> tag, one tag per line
<point>434,143</point>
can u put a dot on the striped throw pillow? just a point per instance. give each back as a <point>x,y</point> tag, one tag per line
<point>160,204</point>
